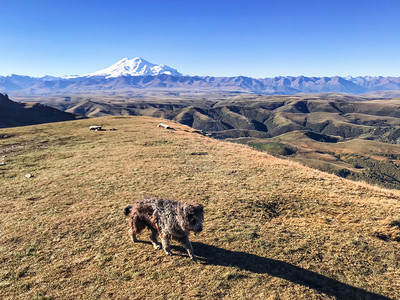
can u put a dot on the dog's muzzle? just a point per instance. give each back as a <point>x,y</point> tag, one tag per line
<point>198,229</point>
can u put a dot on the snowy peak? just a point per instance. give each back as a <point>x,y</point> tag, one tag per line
<point>134,67</point>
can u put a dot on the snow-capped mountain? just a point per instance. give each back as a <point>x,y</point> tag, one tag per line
<point>134,67</point>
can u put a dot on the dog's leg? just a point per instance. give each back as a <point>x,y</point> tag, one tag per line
<point>132,234</point>
<point>136,225</point>
<point>165,244</point>
<point>153,238</point>
<point>188,246</point>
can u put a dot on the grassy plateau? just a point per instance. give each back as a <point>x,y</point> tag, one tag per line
<point>273,228</point>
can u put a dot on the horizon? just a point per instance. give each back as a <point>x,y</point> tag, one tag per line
<point>259,39</point>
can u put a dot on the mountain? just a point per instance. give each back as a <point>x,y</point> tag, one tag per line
<point>134,67</point>
<point>21,114</point>
<point>18,82</point>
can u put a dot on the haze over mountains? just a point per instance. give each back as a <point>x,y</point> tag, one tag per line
<point>139,74</point>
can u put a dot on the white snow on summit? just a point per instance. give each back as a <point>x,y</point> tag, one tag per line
<point>134,67</point>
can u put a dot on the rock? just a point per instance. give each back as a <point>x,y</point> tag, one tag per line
<point>29,175</point>
<point>165,126</point>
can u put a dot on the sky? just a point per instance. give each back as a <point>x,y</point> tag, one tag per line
<point>217,38</point>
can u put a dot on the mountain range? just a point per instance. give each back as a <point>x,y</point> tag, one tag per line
<point>139,74</point>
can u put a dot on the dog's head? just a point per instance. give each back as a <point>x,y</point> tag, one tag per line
<point>193,215</point>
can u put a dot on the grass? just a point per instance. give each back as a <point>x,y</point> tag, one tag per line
<point>274,229</point>
<point>273,148</point>
<point>371,161</point>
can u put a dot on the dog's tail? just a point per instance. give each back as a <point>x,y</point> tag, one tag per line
<point>127,210</point>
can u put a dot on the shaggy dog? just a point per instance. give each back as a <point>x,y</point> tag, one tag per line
<point>167,219</point>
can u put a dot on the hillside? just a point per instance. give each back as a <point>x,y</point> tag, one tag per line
<point>22,114</point>
<point>357,159</point>
<point>356,137</point>
<point>274,229</point>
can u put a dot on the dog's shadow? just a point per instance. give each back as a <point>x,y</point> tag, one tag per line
<point>211,255</point>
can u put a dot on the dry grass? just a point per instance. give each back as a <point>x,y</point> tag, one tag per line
<point>356,146</point>
<point>273,228</point>
<point>362,157</point>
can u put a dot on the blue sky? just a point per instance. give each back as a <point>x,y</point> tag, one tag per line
<point>219,38</point>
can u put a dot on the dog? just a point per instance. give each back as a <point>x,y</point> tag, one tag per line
<point>167,219</point>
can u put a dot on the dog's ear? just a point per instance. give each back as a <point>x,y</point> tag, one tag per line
<point>193,209</point>
<point>127,210</point>
<point>198,208</point>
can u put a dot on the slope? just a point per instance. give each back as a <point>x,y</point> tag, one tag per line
<point>273,228</point>
<point>21,114</point>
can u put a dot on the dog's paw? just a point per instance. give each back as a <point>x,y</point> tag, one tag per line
<point>157,246</point>
<point>169,253</point>
<point>193,258</point>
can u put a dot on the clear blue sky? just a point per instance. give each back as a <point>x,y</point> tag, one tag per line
<point>219,38</point>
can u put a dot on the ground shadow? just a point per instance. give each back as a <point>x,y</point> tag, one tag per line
<point>212,255</point>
